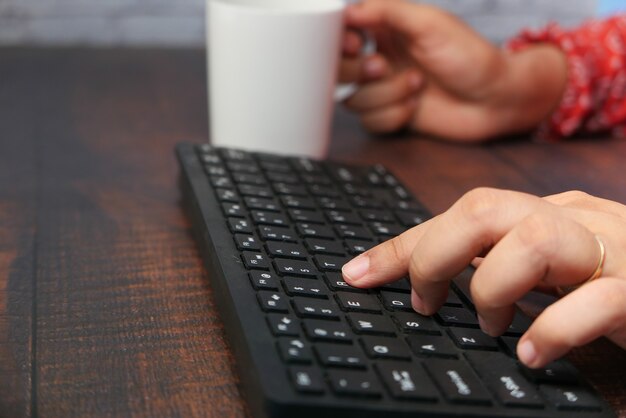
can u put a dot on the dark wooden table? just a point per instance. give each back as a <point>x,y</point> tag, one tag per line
<point>105,308</point>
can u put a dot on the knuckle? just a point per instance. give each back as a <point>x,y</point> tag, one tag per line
<point>539,234</point>
<point>572,196</point>
<point>479,205</point>
<point>394,249</point>
<point>416,269</point>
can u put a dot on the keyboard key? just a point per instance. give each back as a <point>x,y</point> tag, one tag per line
<point>287,267</point>
<point>308,216</point>
<point>354,383</point>
<point>272,301</point>
<point>218,181</point>
<point>373,215</point>
<point>322,246</point>
<point>345,174</point>
<point>559,371</point>
<point>290,189</point>
<point>307,165</point>
<point>263,280</point>
<point>335,355</point>
<point>402,286</point>
<point>305,287</point>
<point>261,204</point>
<point>307,379</point>
<point>457,317</point>
<point>409,219</point>
<point>297,202</point>
<point>354,302</point>
<point>458,381</point>
<point>357,247</point>
<point>385,348</point>
<point>294,350</point>
<point>284,249</point>
<point>502,375</point>
<point>336,283</point>
<point>327,331</point>
<point>336,204</point>
<point>397,301</point>
<point>321,179</point>
<point>234,210</point>
<point>510,343</point>
<point>277,167</point>
<point>371,324</point>
<point>571,397</point>
<point>473,339</point>
<point>407,381</point>
<point>312,308</point>
<point>314,230</point>
<point>407,205</point>
<point>249,179</point>
<point>353,232</point>
<point>277,177</point>
<point>386,229</point>
<point>365,202</point>
<point>283,325</point>
<point>519,325</point>
<point>254,260</point>
<point>247,242</point>
<point>248,167</point>
<point>268,218</point>
<point>337,217</point>
<point>236,155</point>
<point>352,189</point>
<point>215,170</point>
<point>432,345</point>
<point>239,225</point>
<point>277,233</point>
<point>319,190</point>
<point>255,191</point>
<point>453,299</point>
<point>329,262</point>
<point>414,322</point>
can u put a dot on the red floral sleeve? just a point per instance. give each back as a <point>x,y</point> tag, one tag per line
<point>595,97</point>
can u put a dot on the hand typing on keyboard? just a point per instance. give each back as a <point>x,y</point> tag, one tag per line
<point>557,242</point>
<point>275,233</point>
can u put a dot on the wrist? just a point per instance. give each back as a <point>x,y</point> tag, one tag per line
<point>531,88</point>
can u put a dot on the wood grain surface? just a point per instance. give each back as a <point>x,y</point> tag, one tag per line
<point>105,307</point>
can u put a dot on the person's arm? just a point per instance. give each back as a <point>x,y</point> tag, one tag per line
<point>595,97</point>
<point>435,75</point>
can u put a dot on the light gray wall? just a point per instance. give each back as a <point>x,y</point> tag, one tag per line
<point>181,22</point>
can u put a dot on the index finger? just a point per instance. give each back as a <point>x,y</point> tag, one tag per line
<point>385,262</point>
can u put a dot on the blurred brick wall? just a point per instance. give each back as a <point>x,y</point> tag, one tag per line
<point>181,22</point>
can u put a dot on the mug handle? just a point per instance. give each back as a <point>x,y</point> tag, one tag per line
<point>345,90</point>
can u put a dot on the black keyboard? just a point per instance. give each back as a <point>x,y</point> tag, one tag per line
<point>275,232</point>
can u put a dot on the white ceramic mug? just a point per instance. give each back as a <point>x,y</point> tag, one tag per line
<point>272,71</point>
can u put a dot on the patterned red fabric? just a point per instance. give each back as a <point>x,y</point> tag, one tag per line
<point>595,97</point>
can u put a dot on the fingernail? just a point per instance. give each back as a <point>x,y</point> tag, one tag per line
<point>373,67</point>
<point>417,302</point>
<point>527,352</point>
<point>356,268</point>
